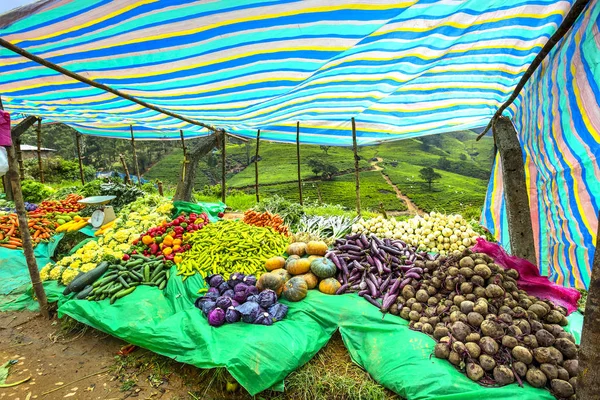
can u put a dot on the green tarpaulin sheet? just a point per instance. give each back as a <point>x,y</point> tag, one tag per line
<point>211,209</point>
<point>259,357</point>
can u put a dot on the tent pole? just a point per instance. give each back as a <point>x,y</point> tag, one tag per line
<point>223,169</point>
<point>78,143</point>
<point>135,160</point>
<point>298,157</point>
<point>127,177</point>
<point>256,166</point>
<point>160,188</point>
<point>588,381</point>
<point>39,149</point>
<point>515,190</point>
<point>13,176</point>
<point>185,160</point>
<point>19,155</point>
<point>356,170</point>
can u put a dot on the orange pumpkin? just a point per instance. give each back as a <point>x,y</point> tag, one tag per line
<point>311,279</point>
<point>296,249</point>
<point>297,266</point>
<point>313,258</point>
<point>270,281</point>
<point>317,248</point>
<point>274,263</point>
<point>329,286</point>
<point>282,272</point>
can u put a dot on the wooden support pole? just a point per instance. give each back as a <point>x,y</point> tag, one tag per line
<point>256,166</point>
<point>185,160</point>
<point>135,160</point>
<point>588,381</point>
<point>223,169</point>
<point>127,177</point>
<point>19,155</point>
<point>160,188</point>
<point>356,169</point>
<point>78,143</point>
<point>13,177</point>
<point>298,157</point>
<point>515,190</point>
<point>39,149</point>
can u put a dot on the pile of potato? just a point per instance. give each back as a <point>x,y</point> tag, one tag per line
<point>488,328</point>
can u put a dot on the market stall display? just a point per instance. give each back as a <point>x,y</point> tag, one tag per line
<point>40,228</point>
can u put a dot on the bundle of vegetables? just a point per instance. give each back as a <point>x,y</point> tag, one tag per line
<point>114,280</point>
<point>169,238</point>
<point>67,205</point>
<point>265,219</point>
<point>228,246</point>
<point>487,327</point>
<point>314,227</point>
<point>376,268</point>
<point>433,232</point>
<point>115,242</point>
<point>40,229</point>
<point>238,299</point>
<point>74,225</point>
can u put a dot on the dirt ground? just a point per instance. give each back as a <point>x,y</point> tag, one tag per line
<point>66,359</point>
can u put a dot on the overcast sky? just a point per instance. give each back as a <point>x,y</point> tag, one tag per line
<point>7,5</point>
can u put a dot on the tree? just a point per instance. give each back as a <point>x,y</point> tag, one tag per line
<point>444,163</point>
<point>323,168</point>
<point>325,148</point>
<point>463,157</point>
<point>196,150</point>
<point>429,175</point>
<point>431,141</point>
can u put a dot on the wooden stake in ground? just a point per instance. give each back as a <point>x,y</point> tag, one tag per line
<point>160,188</point>
<point>185,160</point>
<point>356,170</point>
<point>588,381</point>
<point>127,177</point>
<point>78,143</point>
<point>515,190</point>
<point>135,161</point>
<point>256,166</point>
<point>223,169</point>
<point>298,157</point>
<point>39,149</point>
<point>13,177</point>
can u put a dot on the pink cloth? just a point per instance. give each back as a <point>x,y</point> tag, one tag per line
<point>5,129</point>
<point>530,279</point>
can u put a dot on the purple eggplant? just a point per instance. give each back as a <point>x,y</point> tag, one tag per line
<point>395,286</point>
<point>372,301</point>
<point>342,289</point>
<point>372,288</point>
<point>388,301</point>
<point>412,275</point>
<point>385,283</point>
<point>404,282</point>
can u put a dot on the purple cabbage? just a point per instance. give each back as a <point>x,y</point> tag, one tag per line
<point>267,298</point>
<point>240,287</point>
<point>228,293</point>
<point>250,280</point>
<point>240,297</point>
<point>224,302</point>
<point>212,293</point>
<point>216,317</point>
<point>215,280</point>
<point>278,311</point>
<point>252,290</point>
<point>235,278</point>
<point>208,306</point>
<point>253,298</point>
<point>232,315</point>
<point>264,319</point>
<point>234,303</point>
<point>249,310</point>
<point>223,287</point>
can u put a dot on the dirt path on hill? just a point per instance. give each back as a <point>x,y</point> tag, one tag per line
<point>412,208</point>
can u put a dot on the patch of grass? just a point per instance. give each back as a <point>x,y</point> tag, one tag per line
<point>452,194</point>
<point>127,385</point>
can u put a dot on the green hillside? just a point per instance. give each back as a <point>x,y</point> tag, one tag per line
<point>463,163</point>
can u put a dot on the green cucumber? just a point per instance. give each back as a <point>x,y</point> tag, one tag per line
<point>134,263</point>
<point>136,275</point>
<point>123,282</point>
<point>85,292</point>
<point>162,284</point>
<point>120,294</point>
<point>146,272</point>
<point>88,278</point>
<point>140,257</point>
<point>156,272</point>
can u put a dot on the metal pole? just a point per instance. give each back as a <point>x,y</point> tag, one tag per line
<point>298,157</point>
<point>39,149</point>
<point>223,172</point>
<point>135,160</point>
<point>256,166</point>
<point>356,170</point>
<point>78,143</point>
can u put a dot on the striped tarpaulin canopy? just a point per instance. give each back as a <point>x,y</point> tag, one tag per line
<point>401,68</point>
<point>558,124</point>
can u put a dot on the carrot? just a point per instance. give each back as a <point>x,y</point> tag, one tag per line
<point>8,246</point>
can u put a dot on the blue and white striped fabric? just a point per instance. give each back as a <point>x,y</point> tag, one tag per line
<point>401,68</point>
